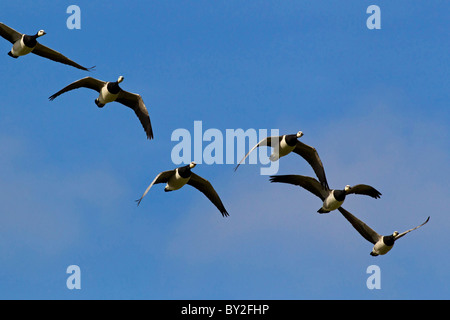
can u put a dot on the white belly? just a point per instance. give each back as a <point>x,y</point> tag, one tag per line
<point>176,182</point>
<point>331,203</point>
<point>283,150</point>
<point>380,248</point>
<point>20,49</point>
<point>106,97</point>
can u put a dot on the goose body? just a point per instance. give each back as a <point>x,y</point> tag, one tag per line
<point>109,92</point>
<point>23,44</point>
<point>287,145</point>
<point>179,177</point>
<point>284,145</point>
<point>332,199</point>
<point>106,95</point>
<point>381,244</point>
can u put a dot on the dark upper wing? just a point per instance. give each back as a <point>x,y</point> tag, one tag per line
<point>87,82</point>
<point>48,53</point>
<point>363,229</point>
<point>163,177</point>
<point>264,142</point>
<point>312,157</point>
<point>403,233</point>
<point>207,189</point>
<point>135,102</point>
<point>310,184</point>
<point>9,34</point>
<point>365,190</point>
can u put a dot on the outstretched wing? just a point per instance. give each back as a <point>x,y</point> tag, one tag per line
<point>135,102</point>
<point>363,229</point>
<point>310,184</point>
<point>9,33</point>
<point>403,233</point>
<point>163,177</point>
<point>87,82</point>
<point>365,190</point>
<point>264,142</point>
<point>207,189</point>
<point>312,157</point>
<point>51,54</point>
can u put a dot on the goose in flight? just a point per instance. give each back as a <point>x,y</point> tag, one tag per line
<point>24,44</point>
<point>289,143</point>
<point>382,244</point>
<point>177,178</point>
<point>332,199</point>
<point>109,92</point>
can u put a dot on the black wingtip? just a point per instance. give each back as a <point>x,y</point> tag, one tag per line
<point>149,132</point>
<point>138,202</point>
<point>51,98</point>
<point>273,178</point>
<point>90,69</point>
<point>225,214</point>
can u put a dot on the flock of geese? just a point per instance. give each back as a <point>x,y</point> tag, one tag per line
<point>332,199</point>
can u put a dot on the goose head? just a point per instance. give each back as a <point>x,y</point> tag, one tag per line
<point>347,188</point>
<point>120,79</point>
<point>40,33</point>
<point>192,165</point>
<point>299,134</point>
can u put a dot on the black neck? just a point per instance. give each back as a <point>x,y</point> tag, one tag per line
<point>291,139</point>
<point>389,240</point>
<point>113,87</point>
<point>339,195</point>
<point>185,172</point>
<point>30,41</point>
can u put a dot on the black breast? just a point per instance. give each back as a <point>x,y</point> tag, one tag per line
<point>113,87</point>
<point>339,195</point>
<point>184,172</point>
<point>291,139</point>
<point>29,41</point>
<point>388,240</point>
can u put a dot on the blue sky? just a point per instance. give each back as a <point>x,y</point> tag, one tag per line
<point>374,103</point>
